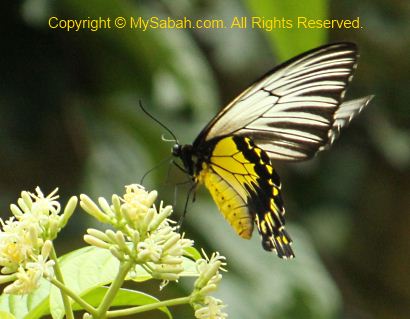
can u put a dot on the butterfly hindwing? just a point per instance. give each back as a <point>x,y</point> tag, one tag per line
<point>246,189</point>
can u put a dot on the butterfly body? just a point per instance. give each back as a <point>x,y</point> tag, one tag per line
<point>290,114</point>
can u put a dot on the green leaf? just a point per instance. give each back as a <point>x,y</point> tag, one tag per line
<point>193,253</point>
<point>288,42</point>
<point>189,268</point>
<point>125,297</point>
<point>83,270</point>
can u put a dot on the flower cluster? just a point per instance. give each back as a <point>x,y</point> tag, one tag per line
<point>142,237</point>
<point>208,307</point>
<point>149,239</point>
<point>25,239</point>
<point>144,233</point>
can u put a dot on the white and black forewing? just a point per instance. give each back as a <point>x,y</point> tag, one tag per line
<point>295,110</point>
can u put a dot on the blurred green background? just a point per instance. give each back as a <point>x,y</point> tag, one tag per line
<point>69,117</point>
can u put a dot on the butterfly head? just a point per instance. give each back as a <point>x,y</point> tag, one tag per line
<point>177,150</point>
<point>184,152</point>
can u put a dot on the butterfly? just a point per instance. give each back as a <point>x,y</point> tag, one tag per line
<point>290,114</point>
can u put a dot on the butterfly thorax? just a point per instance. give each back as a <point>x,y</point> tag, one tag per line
<point>194,157</point>
<point>184,152</point>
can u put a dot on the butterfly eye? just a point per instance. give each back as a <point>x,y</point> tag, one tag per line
<point>176,150</point>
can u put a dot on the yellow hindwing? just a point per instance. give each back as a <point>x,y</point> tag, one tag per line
<point>246,190</point>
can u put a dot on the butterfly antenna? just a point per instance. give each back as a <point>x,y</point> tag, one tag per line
<point>156,120</point>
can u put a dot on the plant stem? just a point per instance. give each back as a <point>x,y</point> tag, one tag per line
<point>112,291</point>
<point>151,306</point>
<point>59,275</point>
<point>68,292</point>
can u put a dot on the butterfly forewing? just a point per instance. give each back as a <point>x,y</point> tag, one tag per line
<point>291,110</point>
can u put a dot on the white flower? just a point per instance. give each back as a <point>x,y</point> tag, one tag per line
<point>41,264</point>
<point>18,242</point>
<point>27,281</point>
<point>145,233</point>
<point>136,195</point>
<point>43,204</point>
<point>25,239</point>
<point>209,276</point>
<point>43,212</point>
<point>211,309</point>
<point>149,250</point>
<point>136,203</point>
<point>208,307</point>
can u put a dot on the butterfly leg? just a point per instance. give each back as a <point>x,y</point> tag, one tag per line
<point>190,192</point>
